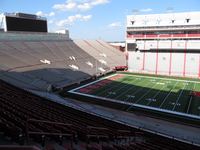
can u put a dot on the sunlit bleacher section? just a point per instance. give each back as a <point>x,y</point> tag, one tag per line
<point>29,119</point>
<point>42,61</point>
<point>103,52</point>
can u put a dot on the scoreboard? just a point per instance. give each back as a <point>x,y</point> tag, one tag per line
<point>23,22</point>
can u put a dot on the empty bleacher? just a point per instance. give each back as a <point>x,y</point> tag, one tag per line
<point>25,118</point>
<point>39,61</point>
<point>24,115</point>
<point>103,52</point>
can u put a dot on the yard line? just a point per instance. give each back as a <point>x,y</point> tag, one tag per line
<point>168,95</point>
<point>135,93</point>
<point>124,86</point>
<point>178,97</point>
<point>190,99</point>
<point>156,94</point>
<point>128,89</point>
<point>105,90</point>
<point>146,93</point>
<point>138,90</point>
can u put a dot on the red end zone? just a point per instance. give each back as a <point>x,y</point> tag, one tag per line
<point>92,87</point>
<point>195,93</point>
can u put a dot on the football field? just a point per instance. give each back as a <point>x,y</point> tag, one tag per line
<point>175,95</point>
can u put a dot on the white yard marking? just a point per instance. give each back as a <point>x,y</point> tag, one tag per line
<point>132,96</point>
<point>138,90</point>
<point>146,93</point>
<point>151,100</point>
<point>156,94</point>
<point>175,104</point>
<point>167,95</point>
<point>112,93</point>
<point>161,83</point>
<point>190,99</point>
<point>131,87</point>
<point>177,100</point>
<point>123,87</point>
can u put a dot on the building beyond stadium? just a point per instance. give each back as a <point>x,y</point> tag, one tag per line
<point>164,44</point>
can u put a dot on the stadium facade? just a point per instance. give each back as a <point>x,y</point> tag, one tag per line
<point>164,44</point>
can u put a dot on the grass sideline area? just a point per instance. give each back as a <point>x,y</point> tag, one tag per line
<point>167,94</point>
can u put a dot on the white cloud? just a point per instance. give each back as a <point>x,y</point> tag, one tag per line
<point>146,10</point>
<point>40,13</point>
<point>86,18</point>
<point>78,5</point>
<point>66,6</point>
<point>51,14</point>
<point>84,6</point>
<point>115,25</point>
<point>99,2</point>
<point>51,21</point>
<point>71,19</point>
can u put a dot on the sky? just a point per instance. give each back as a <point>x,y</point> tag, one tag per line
<point>95,19</point>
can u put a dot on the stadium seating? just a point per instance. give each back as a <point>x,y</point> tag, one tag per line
<point>22,114</point>
<point>26,117</point>
<point>100,50</point>
<point>27,62</point>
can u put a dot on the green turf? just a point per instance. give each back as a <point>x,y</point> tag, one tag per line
<point>159,92</point>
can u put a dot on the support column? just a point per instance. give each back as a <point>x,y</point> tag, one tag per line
<point>157,58</point>
<point>143,63</point>
<point>185,58</point>
<point>170,59</point>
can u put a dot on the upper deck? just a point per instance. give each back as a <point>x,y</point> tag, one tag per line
<point>164,22</point>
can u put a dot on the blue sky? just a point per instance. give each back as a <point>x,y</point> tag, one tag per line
<point>95,19</point>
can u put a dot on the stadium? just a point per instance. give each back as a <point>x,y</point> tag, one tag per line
<point>59,93</point>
